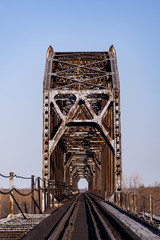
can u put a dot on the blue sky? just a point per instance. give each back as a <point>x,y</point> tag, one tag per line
<point>27,29</point>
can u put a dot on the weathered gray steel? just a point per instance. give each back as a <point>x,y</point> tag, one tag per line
<point>81,119</point>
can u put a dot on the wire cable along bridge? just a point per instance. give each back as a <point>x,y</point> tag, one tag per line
<point>81,139</point>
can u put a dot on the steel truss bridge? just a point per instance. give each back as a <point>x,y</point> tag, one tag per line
<point>81,120</point>
<point>81,139</point>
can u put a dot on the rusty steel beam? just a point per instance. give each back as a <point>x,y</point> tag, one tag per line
<point>81,119</point>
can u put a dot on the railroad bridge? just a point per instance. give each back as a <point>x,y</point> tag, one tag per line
<point>81,120</point>
<point>81,139</point>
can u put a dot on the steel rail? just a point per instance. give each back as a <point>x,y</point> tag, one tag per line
<point>60,227</point>
<point>117,226</point>
<point>98,218</point>
<point>45,229</point>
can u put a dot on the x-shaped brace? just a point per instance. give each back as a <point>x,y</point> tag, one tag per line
<point>80,95</point>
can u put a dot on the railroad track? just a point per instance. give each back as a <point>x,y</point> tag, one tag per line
<point>83,218</point>
<point>86,216</point>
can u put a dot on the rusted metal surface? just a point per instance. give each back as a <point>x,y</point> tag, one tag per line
<point>81,119</point>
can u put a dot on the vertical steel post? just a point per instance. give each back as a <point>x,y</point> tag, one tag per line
<point>133,203</point>
<point>128,205</point>
<point>105,195</point>
<point>135,206</point>
<point>116,198</point>
<point>33,207</point>
<point>143,205</point>
<point>125,201</point>
<point>53,192</point>
<point>39,193</point>
<point>11,215</point>
<point>121,199</point>
<point>151,207</point>
<point>45,205</point>
<point>48,195</point>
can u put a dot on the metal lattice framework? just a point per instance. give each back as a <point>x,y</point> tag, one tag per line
<point>81,126</point>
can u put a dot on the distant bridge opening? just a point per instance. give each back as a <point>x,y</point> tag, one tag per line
<point>83,184</point>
